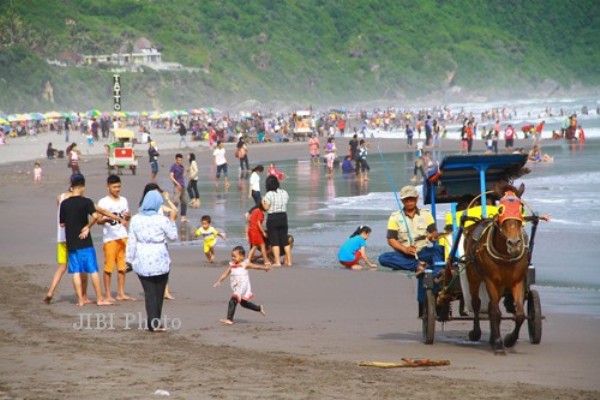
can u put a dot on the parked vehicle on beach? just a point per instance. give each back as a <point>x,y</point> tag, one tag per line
<point>302,125</point>
<point>120,153</point>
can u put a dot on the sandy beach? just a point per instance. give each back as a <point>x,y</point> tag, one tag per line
<point>320,322</point>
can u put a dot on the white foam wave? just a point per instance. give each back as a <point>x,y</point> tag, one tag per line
<point>382,201</point>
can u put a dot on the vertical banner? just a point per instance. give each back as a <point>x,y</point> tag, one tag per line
<point>117,92</point>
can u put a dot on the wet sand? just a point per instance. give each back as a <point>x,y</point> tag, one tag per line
<point>319,322</point>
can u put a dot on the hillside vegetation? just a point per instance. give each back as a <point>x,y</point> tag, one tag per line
<point>309,51</point>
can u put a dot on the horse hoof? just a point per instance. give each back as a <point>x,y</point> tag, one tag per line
<point>498,347</point>
<point>474,336</point>
<point>509,341</point>
<point>499,352</point>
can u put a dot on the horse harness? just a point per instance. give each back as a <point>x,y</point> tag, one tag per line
<point>489,226</point>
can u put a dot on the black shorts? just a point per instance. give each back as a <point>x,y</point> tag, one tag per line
<point>222,168</point>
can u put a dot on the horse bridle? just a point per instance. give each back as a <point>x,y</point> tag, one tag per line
<point>494,253</point>
<point>514,212</point>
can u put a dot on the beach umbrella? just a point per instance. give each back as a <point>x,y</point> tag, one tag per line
<point>72,115</point>
<point>36,116</point>
<point>53,115</point>
<point>93,113</point>
<point>168,114</point>
<point>154,115</point>
<point>4,122</point>
<point>17,117</point>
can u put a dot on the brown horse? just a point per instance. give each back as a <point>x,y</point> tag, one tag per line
<point>497,254</point>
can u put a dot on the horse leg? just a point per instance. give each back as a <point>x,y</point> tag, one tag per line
<point>495,317</point>
<point>518,293</point>
<point>475,334</point>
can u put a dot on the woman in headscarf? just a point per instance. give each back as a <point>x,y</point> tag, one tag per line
<point>148,254</point>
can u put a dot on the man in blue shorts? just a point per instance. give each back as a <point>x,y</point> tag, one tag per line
<point>74,217</point>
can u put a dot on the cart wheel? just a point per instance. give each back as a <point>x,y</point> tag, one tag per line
<point>429,316</point>
<point>534,317</point>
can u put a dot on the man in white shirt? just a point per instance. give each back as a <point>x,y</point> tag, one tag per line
<point>115,237</point>
<point>221,163</point>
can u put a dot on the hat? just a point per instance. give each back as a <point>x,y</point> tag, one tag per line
<point>408,191</point>
<point>77,180</point>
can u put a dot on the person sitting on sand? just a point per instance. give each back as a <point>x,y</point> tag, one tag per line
<point>51,152</point>
<point>354,249</point>
<point>240,283</point>
<point>535,154</point>
<point>274,171</point>
<point>347,165</point>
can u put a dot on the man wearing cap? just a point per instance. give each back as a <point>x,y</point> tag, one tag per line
<point>412,237</point>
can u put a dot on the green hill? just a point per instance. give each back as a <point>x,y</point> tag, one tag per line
<point>309,51</point>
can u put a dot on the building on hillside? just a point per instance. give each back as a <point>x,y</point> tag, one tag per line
<point>130,57</point>
<point>142,52</point>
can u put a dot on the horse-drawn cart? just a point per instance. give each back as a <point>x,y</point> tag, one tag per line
<point>121,153</point>
<point>487,250</point>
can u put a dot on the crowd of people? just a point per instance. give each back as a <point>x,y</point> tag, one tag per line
<point>138,243</point>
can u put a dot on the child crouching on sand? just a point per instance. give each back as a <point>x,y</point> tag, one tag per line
<point>354,249</point>
<point>240,283</point>
<point>256,232</point>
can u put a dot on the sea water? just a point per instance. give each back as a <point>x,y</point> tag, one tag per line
<point>323,212</point>
<point>566,250</point>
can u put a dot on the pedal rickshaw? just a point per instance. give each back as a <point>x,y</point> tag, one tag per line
<point>475,176</point>
<point>121,153</point>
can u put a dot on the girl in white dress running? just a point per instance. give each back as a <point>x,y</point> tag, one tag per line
<point>240,283</point>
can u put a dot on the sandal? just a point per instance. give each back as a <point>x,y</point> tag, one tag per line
<point>420,270</point>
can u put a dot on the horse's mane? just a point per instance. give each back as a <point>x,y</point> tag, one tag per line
<point>515,173</point>
<point>507,183</point>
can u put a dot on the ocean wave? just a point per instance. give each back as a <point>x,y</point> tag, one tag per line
<point>565,182</point>
<point>381,201</point>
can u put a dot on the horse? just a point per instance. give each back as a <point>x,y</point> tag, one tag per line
<point>496,253</point>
